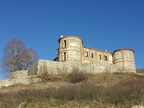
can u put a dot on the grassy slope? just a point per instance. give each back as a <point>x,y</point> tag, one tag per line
<point>91,91</point>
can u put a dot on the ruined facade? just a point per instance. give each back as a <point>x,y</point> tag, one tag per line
<point>71,50</point>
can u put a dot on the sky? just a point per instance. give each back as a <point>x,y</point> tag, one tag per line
<point>102,24</point>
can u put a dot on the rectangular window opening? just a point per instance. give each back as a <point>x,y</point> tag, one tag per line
<point>64,43</point>
<point>100,57</point>
<point>64,56</point>
<point>105,58</point>
<point>92,55</point>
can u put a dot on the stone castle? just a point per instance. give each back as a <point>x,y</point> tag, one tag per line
<point>71,54</point>
<point>71,50</point>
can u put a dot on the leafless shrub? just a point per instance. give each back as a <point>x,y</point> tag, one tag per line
<point>89,91</point>
<point>81,91</point>
<point>127,92</point>
<point>77,76</point>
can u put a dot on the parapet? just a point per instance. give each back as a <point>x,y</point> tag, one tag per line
<point>124,49</point>
<point>64,37</point>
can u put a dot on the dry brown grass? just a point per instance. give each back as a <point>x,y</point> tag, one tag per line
<point>140,71</point>
<point>99,91</point>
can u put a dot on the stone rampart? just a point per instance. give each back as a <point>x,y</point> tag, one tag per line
<point>52,67</point>
<point>19,77</point>
<point>9,81</point>
<point>19,74</point>
<point>100,67</point>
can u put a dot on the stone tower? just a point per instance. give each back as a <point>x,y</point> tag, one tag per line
<point>70,49</point>
<point>124,58</point>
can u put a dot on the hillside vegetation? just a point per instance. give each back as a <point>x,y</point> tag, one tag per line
<point>77,90</point>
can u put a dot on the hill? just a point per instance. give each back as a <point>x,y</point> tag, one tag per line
<point>77,90</point>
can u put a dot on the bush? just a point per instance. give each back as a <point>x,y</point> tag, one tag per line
<point>77,76</point>
<point>127,92</point>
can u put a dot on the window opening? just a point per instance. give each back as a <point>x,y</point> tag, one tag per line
<point>92,55</point>
<point>64,56</point>
<point>86,54</point>
<point>64,43</point>
<point>100,57</point>
<point>105,58</point>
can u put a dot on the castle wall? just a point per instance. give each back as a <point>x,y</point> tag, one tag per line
<point>10,82</point>
<point>19,77</point>
<point>52,67</point>
<point>91,55</point>
<point>100,67</point>
<point>19,74</point>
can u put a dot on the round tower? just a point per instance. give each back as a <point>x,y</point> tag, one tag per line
<point>124,58</point>
<point>70,49</point>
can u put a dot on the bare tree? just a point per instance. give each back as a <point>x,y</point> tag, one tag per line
<point>17,57</point>
<point>29,57</point>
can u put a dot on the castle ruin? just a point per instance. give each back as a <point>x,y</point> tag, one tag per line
<point>72,54</point>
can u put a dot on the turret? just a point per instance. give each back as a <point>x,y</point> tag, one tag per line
<point>124,59</point>
<point>70,49</point>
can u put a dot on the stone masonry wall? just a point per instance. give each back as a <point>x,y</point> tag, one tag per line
<point>18,77</point>
<point>19,74</point>
<point>52,67</point>
<point>100,67</point>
